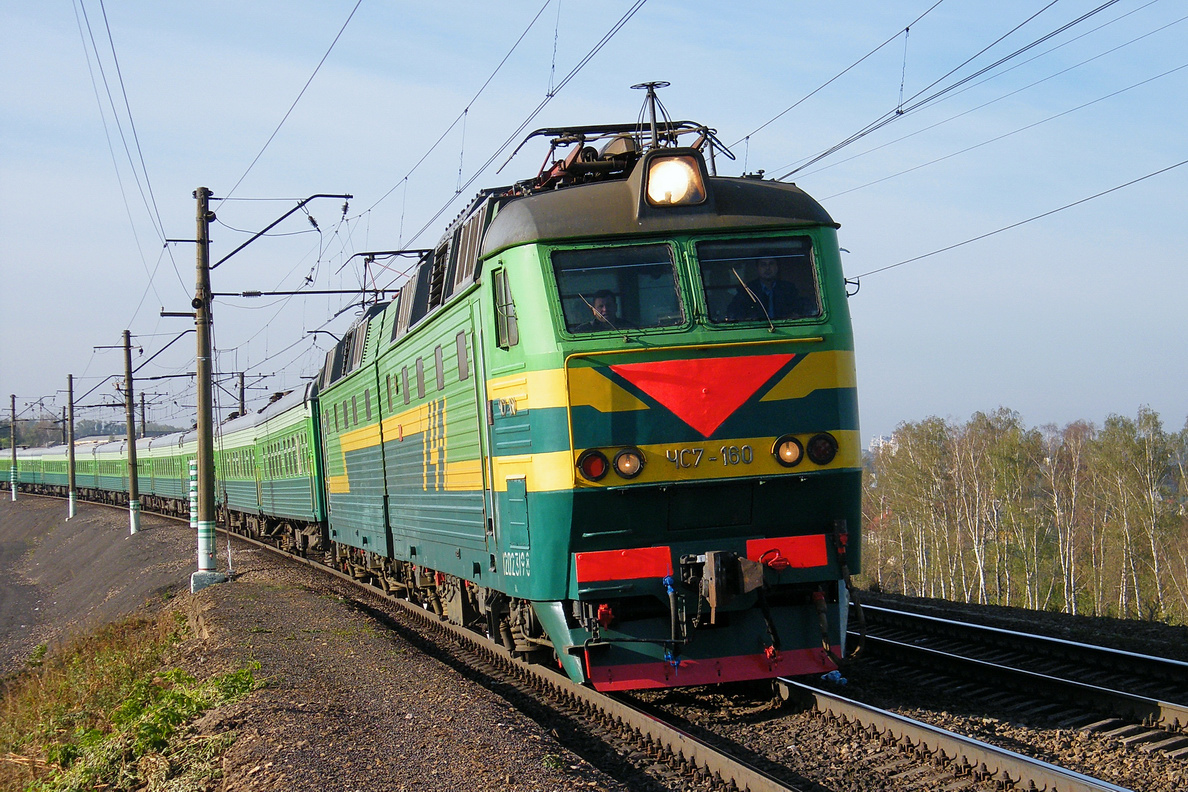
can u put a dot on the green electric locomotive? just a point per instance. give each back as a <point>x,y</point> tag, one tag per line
<point>612,419</point>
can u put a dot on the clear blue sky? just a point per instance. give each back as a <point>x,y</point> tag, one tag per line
<point>1076,315</point>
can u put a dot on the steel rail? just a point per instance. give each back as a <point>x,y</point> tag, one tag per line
<point>1134,661</point>
<point>982,758</point>
<point>1170,715</point>
<point>1143,708</point>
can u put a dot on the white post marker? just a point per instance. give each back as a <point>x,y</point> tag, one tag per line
<point>134,516</point>
<point>194,494</point>
<point>206,574</point>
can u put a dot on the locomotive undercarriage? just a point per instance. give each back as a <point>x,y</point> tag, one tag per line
<point>510,621</point>
<point>714,591</point>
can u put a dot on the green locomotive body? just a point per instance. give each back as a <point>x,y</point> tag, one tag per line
<point>666,497</point>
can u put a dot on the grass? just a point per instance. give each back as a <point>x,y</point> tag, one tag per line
<point>105,713</point>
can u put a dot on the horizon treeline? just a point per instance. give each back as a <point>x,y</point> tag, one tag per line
<point>1081,519</point>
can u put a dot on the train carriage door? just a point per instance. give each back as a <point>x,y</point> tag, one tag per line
<point>515,516</point>
<point>257,465</point>
<point>512,536</point>
<point>479,375</point>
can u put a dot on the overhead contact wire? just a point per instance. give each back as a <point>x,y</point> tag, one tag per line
<point>834,78</point>
<point>891,116</point>
<point>1007,95</point>
<point>462,114</point>
<point>295,101</point>
<point>539,108</point>
<point>1023,222</point>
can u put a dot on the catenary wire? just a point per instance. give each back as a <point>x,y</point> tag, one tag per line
<point>1005,135</point>
<point>111,150</point>
<point>623,20</point>
<point>295,101</point>
<point>462,114</point>
<point>900,112</point>
<point>1023,222</point>
<point>833,79</point>
<point>1006,95</point>
<point>153,212</point>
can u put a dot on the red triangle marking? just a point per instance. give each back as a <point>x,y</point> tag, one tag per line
<point>703,392</point>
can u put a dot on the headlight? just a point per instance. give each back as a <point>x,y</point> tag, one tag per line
<point>629,462</point>
<point>674,181</point>
<point>593,464</point>
<point>788,451</point>
<point>822,448</point>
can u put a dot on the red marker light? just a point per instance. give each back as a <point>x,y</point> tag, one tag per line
<point>593,465</point>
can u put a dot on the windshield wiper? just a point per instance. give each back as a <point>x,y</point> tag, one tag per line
<point>755,297</point>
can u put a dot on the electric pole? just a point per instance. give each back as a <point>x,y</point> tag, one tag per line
<point>70,444</point>
<point>143,422</point>
<point>242,402</point>
<point>203,367</point>
<point>130,409</point>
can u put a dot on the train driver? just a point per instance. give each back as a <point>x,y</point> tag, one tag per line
<point>768,297</point>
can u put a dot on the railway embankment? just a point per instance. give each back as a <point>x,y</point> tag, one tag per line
<point>346,703</point>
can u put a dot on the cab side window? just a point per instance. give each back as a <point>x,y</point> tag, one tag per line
<point>507,328</point>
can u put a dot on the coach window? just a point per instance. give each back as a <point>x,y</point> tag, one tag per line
<point>439,367</point>
<point>367,403</point>
<point>355,410</point>
<point>420,378</point>
<point>404,383</point>
<point>759,280</point>
<point>507,329</point>
<point>617,288</point>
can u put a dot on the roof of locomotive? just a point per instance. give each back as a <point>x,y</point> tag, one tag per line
<point>614,208</point>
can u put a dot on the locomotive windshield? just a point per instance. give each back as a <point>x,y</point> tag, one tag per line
<point>757,280</point>
<point>616,288</point>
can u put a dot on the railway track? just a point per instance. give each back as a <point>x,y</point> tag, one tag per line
<point>925,756</point>
<point>638,736</point>
<point>1135,698</point>
<point>928,757</point>
<point>899,753</point>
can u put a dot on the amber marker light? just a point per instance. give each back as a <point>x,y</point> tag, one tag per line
<point>788,451</point>
<point>822,448</point>
<point>593,464</point>
<point>629,462</point>
<point>674,181</point>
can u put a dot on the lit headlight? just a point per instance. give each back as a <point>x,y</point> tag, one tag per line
<point>822,448</point>
<point>629,462</point>
<point>787,451</point>
<point>673,181</point>
<point>593,464</point>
